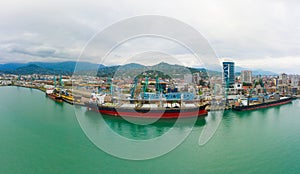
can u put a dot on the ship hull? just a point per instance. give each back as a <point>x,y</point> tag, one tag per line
<point>54,97</point>
<point>70,99</point>
<point>263,105</point>
<point>147,113</point>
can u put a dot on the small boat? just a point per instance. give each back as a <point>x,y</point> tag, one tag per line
<point>175,108</point>
<point>264,103</point>
<point>54,94</point>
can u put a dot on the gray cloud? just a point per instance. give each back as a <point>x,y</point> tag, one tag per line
<point>41,52</point>
<point>247,31</point>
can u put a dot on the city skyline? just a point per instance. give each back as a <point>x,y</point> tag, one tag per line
<point>262,35</point>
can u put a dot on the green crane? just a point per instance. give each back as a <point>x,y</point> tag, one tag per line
<point>132,90</point>
<point>54,81</point>
<point>60,81</point>
<point>262,85</point>
<point>111,86</point>
<point>157,85</point>
<point>146,84</point>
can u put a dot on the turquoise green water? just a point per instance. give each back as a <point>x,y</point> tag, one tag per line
<point>38,135</point>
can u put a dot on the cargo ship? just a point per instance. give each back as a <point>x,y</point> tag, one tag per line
<point>54,94</point>
<point>68,97</point>
<point>147,108</point>
<point>263,103</point>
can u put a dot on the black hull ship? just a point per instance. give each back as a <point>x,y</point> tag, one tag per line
<point>270,103</point>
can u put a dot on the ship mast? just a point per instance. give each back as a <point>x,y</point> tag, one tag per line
<point>132,90</point>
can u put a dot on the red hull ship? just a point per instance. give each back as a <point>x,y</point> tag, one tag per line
<point>54,95</point>
<point>147,108</point>
<point>162,102</point>
<point>149,112</point>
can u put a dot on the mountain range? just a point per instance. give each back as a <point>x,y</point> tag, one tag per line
<point>255,72</point>
<point>67,68</point>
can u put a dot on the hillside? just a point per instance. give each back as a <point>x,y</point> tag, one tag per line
<point>32,69</point>
<point>86,68</point>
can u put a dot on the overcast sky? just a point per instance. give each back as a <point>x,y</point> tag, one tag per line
<point>255,34</point>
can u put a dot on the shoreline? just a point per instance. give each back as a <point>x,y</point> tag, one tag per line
<point>44,90</point>
<point>84,98</point>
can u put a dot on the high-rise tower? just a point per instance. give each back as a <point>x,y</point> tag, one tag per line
<point>228,74</point>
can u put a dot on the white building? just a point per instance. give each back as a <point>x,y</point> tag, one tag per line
<point>188,78</point>
<point>246,76</point>
<point>283,79</point>
<point>294,81</point>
